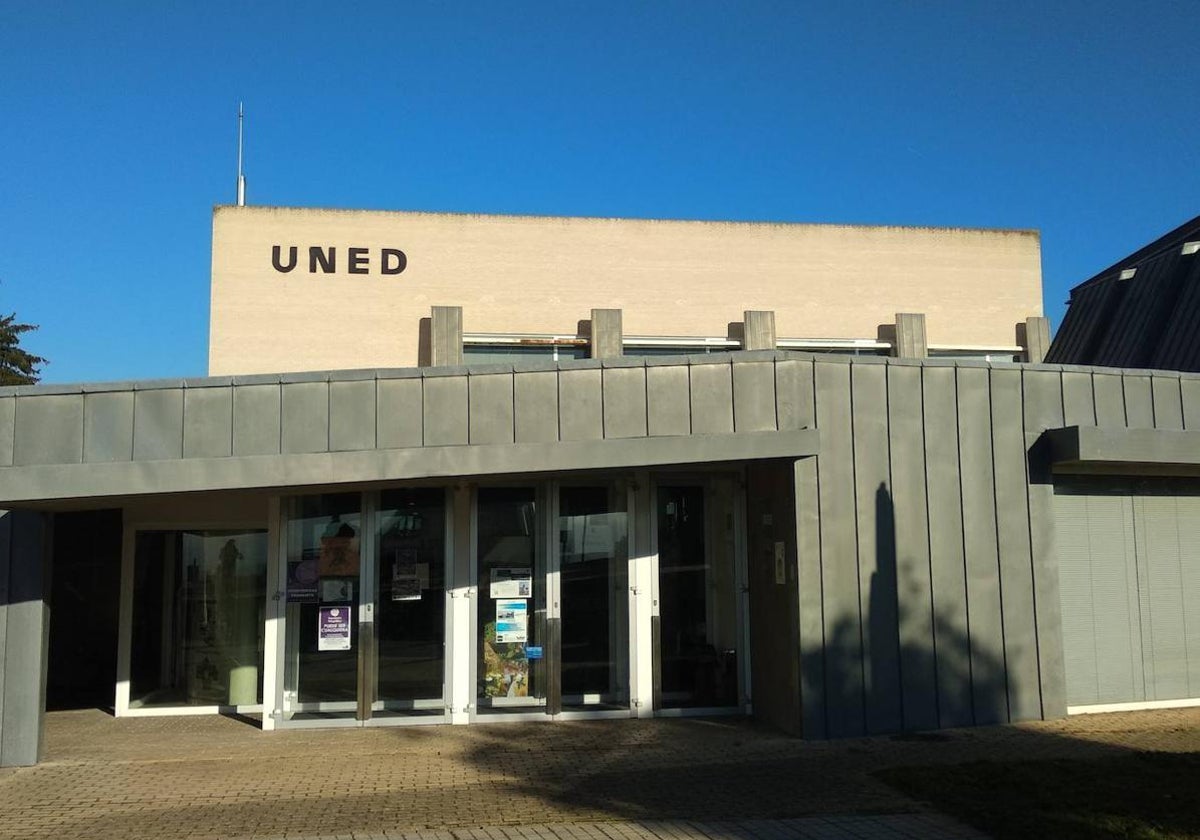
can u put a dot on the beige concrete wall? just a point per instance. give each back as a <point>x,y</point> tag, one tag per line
<point>521,274</point>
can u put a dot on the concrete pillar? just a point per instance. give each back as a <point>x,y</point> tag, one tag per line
<point>910,336</point>
<point>446,336</point>
<point>1037,339</point>
<point>758,330</point>
<point>24,635</point>
<point>607,339</point>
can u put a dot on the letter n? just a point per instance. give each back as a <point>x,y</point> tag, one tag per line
<point>317,255</point>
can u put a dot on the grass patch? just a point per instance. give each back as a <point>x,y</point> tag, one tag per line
<point>1139,796</point>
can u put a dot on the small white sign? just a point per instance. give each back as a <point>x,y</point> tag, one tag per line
<point>512,621</point>
<point>514,582</point>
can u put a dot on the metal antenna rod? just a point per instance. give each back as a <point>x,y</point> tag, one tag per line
<point>241,178</point>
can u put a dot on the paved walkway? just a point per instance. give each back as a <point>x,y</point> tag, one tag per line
<point>210,777</point>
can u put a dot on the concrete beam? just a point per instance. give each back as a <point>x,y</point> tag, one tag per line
<point>911,342</point>
<point>758,331</point>
<point>1037,339</point>
<point>446,336</point>
<point>607,337</point>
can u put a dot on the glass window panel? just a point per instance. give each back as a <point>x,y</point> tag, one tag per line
<point>198,618</point>
<point>593,551</point>
<point>323,558</point>
<point>410,619</point>
<point>512,600</point>
<point>697,601</point>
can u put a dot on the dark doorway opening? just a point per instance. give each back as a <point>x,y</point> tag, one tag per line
<point>85,594</point>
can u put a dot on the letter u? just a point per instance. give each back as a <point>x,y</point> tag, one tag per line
<point>275,249</point>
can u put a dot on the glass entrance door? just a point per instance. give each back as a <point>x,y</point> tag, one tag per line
<point>552,623</point>
<point>698,601</point>
<point>365,606</point>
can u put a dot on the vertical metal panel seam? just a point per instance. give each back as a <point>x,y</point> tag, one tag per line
<point>996,525</point>
<point>691,424</point>
<point>279,388</point>
<point>733,399</point>
<point>862,650</point>
<point>1029,531</point>
<point>891,489</point>
<point>937,695</point>
<point>512,391</point>
<point>821,581</point>
<point>375,413</point>
<point>421,413</point>
<point>1096,414</point>
<point>962,524</point>
<point>182,421</point>
<point>603,405</point>
<point>83,415</point>
<point>557,402</point>
<point>329,417</point>
<point>232,416</point>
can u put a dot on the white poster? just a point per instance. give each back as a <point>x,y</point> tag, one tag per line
<point>512,621</point>
<point>511,582</point>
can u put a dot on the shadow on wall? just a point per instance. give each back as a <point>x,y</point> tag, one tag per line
<point>907,662</point>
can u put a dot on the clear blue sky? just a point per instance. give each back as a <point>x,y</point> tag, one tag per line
<point>117,132</point>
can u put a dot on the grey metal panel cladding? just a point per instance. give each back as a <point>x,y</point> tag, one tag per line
<point>1012,531</point>
<point>1078,403</point>
<point>1139,401</point>
<point>256,418</point>
<point>304,417</point>
<point>1188,508</point>
<point>668,405</point>
<point>535,407</point>
<point>712,398</point>
<point>5,576</point>
<point>1110,399</point>
<point>1099,601</point>
<point>25,644</point>
<point>1191,403</point>
<point>625,402</point>
<point>1159,555</point>
<point>946,562</point>
<point>811,625</point>
<point>8,408</point>
<point>794,393</point>
<point>1168,402</point>
<point>108,426</point>
<point>445,410</point>
<point>1044,398</point>
<point>907,447</point>
<point>989,690</point>
<point>876,548</point>
<point>490,402</point>
<point>207,422</point>
<point>754,396</point>
<point>158,424</point>
<point>49,430</point>
<point>580,404</point>
<point>352,413</point>
<point>398,413</point>
<point>843,678</point>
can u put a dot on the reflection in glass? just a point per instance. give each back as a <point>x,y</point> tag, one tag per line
<point>512,600</point>
<point>198,618</point>
<point>696,603</point>
<point>411,615</point>
<point>595,604</point>
<point>323,557</point>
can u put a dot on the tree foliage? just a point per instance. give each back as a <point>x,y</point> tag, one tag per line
<point>17,366</point>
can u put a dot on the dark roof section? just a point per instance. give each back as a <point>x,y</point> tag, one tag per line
<point>1150,320</point>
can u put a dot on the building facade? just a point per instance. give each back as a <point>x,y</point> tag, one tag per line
<point>838,544</point>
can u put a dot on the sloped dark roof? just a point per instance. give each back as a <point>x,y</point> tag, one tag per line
<point>1148,320</point>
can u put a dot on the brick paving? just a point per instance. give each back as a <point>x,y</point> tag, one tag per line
<point>208,777</point>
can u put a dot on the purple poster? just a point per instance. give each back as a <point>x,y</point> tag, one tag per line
<point>333,628</point>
